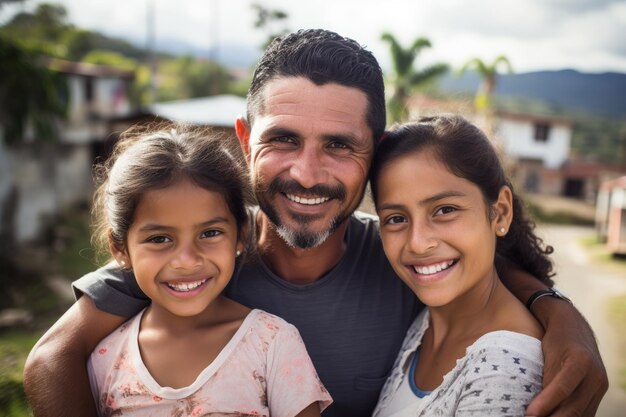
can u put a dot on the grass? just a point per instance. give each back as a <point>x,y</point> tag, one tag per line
<point>65,251</point>
<point>13,351</point>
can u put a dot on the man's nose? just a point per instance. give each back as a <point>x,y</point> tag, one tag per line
<point>308,168</point>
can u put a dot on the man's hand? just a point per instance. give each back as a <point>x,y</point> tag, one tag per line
<point>55,374</point>
<point>574,377</point>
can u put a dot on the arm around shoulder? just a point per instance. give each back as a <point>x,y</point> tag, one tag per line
<point>55,375</point>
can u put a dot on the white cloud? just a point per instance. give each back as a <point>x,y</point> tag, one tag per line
<point>535,34</point>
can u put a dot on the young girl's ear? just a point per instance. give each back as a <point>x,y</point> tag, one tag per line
<point>119,253</point>
<point>243,235</point>
<point>503,208</point>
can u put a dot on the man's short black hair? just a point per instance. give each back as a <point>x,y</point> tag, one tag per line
<point>323,57</point>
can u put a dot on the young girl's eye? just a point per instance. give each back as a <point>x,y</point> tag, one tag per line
<point>445,210</point>
<point>158,239</point>
<point>211,233</point>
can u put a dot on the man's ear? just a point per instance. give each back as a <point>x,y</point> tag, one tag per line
<point>242,129</point>
<point>503,208</point>
<point>119,253</point>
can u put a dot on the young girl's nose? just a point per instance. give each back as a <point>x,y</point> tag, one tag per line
<point>187,257</point>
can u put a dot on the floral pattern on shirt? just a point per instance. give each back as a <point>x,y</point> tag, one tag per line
<point>264,370</point>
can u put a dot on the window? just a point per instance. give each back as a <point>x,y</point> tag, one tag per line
<point>542,132</point>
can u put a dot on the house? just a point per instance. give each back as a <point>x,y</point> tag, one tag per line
<point>39,178</point>
<point>611,214</point>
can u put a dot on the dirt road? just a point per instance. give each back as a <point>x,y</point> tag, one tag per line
<point>590,284</point>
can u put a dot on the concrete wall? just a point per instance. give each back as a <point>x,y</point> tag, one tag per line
<point>38,181</point>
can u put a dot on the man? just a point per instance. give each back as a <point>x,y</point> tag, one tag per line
<point>315,109</point>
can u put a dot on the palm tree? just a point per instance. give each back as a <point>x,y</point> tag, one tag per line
<point>406,78</point>
<point>489,74</point>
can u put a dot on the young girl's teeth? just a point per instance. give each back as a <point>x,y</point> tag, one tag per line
<point>186,286</point>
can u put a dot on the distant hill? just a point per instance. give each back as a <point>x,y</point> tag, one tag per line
<point>595,94</point>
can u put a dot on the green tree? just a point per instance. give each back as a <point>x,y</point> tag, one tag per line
<point>266,20</point>
<point>489,74</point>
<point>47,23</point>
<point>30,94</point>
<point>406,78</point>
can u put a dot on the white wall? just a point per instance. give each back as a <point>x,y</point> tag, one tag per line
<point>48,178</point>
<point>519,141</point>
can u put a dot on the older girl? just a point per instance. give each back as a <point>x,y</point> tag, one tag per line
<point>448,214</point>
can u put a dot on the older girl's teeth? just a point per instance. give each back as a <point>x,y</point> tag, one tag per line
<point>432,269</point>
<point>309,201</point>
<point>185,286</point>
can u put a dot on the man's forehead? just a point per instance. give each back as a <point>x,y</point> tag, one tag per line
<point>295,100</point>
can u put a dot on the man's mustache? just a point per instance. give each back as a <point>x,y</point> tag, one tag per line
<point>279,185</point>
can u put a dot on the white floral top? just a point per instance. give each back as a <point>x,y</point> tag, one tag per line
<point>498,376</point>
<point>263,370</point>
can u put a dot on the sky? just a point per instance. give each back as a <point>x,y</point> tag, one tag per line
<point>586,35</point>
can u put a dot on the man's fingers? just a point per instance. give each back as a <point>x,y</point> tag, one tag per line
<point>558,390</point>
<point>592,408</point>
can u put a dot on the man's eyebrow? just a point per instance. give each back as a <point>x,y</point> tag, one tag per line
<point>343,137</point>
<point>426,201</point>
<point>279,131</point>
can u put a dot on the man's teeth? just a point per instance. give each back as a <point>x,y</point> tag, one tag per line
<point>185,286</point>
<point>310,201</point>
<point>432,269</point>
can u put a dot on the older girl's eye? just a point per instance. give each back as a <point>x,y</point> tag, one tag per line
<point>395,219</point>
<point>445,210</point>
<point>211,233</point>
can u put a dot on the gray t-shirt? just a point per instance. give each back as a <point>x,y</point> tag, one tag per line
<point>353,320</point>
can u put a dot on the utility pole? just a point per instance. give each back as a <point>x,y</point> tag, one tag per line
<point>214,51</point>
<point>150,46</point>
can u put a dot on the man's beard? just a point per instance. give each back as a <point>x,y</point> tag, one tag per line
<point>301,238</point>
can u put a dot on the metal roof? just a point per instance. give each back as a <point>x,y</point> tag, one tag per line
<point>221,110</point>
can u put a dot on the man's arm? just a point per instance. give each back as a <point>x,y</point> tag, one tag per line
<point>574,377</point>
<point>55,374</point>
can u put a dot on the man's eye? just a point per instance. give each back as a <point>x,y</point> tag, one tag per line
<point>158,239</point>
<point>283,139</point>
<point>338,145</point>
<point>211,233</point>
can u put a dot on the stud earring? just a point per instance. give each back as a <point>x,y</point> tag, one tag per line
<point>123,263</point>
<point>502,230</point>
<point>237,253</point>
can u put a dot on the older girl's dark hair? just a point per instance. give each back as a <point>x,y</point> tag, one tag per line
<point>467,153</point>
<point>149,157</point>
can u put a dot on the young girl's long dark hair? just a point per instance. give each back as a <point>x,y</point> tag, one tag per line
<point>468,154</point>
<point>149,157</point>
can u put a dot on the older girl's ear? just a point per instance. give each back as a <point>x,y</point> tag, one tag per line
<point>503,208</point>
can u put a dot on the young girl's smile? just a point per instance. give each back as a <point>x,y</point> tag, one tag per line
<point>436,228</point>
<point>182,246</point>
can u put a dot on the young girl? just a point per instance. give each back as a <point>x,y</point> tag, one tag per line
<point>447,216</point>
<point>172,207</point>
